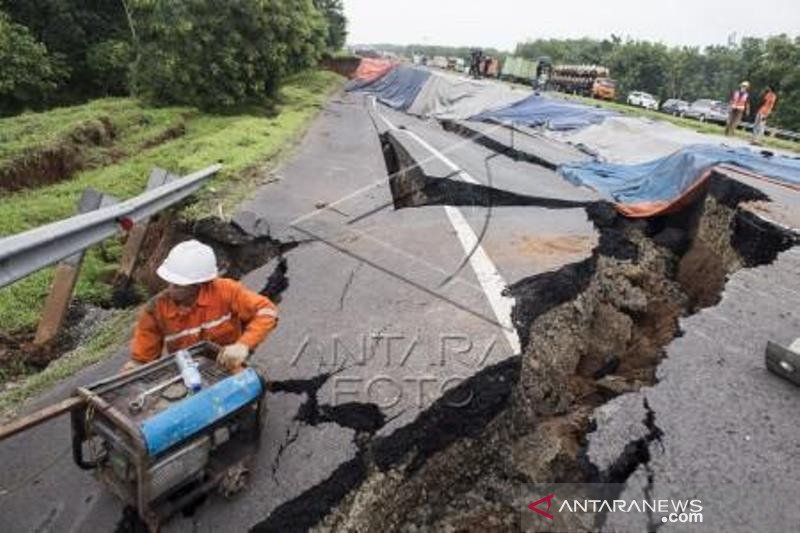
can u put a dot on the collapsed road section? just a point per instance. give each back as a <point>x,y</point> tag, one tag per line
<point>460,323</point>
<point>592,331</point>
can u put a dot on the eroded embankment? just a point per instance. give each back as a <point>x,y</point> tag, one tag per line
<point>591,331</point>
<point>58,161</point>
<point>91,144</point>
<point>237,251</point>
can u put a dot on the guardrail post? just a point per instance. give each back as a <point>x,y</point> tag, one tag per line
<point>130,252</point>
<point>66,274</point>
<point>25,253</point>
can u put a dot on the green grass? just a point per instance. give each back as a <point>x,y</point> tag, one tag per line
<point>134,125</point>
<point>241,142</point>
<point>696,125</point>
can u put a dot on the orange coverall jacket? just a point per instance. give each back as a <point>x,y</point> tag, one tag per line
<point>225,313</point>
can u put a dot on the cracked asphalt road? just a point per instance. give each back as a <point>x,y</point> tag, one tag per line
<point>382,310</point>
<point>385,312</point>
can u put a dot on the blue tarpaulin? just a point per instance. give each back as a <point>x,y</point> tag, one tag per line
<point>397,88</point>
<point>650,188</point>
<point>538,110</point>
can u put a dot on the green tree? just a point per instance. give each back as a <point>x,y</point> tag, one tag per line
<point>109,62</point>
<point>71,29</point>
<point>687,72</point>
<point>641,66</point>
<point>333,11</point>
<point>28,73</point>
<point>779,66</point>
<point>222,54</point>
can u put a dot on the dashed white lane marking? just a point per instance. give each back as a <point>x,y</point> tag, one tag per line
<point>488,276</point>
<point>795,346</point>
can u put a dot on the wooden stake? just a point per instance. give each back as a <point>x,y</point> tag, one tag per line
<point>130,252</point>
<point>66,274</point>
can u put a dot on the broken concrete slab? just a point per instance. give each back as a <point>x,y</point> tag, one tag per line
<point>727,423</point>
<point>519,142</point>
<point>783,206</point>
<point>618,422</point>
<point>531,182</point>
<point>525,241</point>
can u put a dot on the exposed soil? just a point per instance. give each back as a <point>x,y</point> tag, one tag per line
<point>55,163</point>
<point>346,66</point>
<point>591,331</point>
<point>71,154</point>
<point>19,356</point>
<point>238,253</point>
<point>173,132</point>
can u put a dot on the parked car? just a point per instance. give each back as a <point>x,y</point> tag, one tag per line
<point>643,99</point>
<point>675,107</point>
<point>708,110</point>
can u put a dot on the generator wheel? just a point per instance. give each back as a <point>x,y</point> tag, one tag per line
<point>234,481</point>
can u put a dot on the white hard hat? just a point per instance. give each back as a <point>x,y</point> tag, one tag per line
<point>188,263</point>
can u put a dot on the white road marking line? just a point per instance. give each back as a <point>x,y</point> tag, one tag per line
<point>488,276</point>
<point>490,279</point>
<point>795,346</point>
<point>382,182</point>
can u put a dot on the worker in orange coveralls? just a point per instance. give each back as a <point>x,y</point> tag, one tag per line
<point>200,306</point>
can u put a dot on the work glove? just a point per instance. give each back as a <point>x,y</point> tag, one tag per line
<point>233,356</point>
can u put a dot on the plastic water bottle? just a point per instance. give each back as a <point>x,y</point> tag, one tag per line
<point>189,373</point>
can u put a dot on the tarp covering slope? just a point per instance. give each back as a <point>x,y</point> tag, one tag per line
<point>537,110</point>
<point>633,140</point>
<point>659,186</point>
<point>449,97</point>
<point>397,88</point>
<point>370,69</point>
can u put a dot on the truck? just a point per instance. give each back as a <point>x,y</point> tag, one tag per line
<point>587,80</point>
<point>518,69</point>
<point>438,62</point>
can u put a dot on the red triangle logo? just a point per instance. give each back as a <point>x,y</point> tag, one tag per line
<point>534,506</point>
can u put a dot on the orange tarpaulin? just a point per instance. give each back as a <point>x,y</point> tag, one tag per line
<point>371,69</point>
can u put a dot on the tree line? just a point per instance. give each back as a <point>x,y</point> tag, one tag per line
<point>687,72</point>
<point>430,50</point>
<point>205,53</point>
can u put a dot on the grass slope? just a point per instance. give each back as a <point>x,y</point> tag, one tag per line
<point>241,141</point>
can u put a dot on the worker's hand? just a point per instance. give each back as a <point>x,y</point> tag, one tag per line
<point>233,356</point>
<point>130,365</point>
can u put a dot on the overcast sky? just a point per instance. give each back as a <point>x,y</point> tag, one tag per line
<point>503,23</point>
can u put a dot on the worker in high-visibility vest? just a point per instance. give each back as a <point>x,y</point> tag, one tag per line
<point>198,305</point>
<point>767,105</point>
<point>739,106</point>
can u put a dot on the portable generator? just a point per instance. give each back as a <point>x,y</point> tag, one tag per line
<point>159,447</point>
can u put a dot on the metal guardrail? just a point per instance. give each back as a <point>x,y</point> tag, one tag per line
<point>25,253</point>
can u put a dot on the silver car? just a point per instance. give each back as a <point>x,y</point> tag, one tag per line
<point>708,110</point>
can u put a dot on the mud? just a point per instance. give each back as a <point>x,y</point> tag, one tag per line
<point>58,162</point>
<point>19,356</point>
